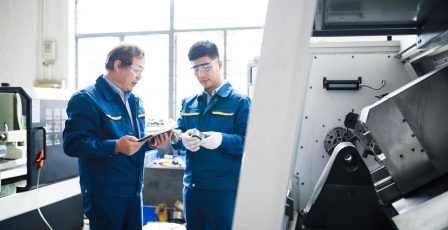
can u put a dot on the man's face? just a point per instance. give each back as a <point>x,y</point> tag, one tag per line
<point>128,77</point>
<point>208,72</point>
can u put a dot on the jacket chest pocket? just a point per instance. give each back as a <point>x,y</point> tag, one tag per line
<point>222,120</point>
<point>115,122</point>
<point>190,118</point>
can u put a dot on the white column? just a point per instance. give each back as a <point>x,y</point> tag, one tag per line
<point>274,116</point>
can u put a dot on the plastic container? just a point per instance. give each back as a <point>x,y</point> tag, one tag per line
<point>149,214</point>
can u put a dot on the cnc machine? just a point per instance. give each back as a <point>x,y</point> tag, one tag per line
<point>387,161</point>
<point>34,171</point>
<point>369,118</point>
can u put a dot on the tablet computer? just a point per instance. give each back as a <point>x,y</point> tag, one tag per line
<point>153,134</point>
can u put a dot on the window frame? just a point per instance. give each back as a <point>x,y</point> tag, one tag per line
<point>173,104</point>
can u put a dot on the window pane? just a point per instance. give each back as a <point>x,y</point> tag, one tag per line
<point>242,47</point>
<point>92,54</point>
<point>153,88</point>
<point>108,16</point>
<point>186,82</point>
<point>198,14</point>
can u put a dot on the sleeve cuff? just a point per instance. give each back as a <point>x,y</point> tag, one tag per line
<point>109,147</point>
<point>226,140</point>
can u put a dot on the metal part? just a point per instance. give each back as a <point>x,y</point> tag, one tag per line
<point>367,142</point>
<point>336,136</point>
<point>398,55</point>
<point>176,136</point>
<point>407,126</point>
<point>384,184</point>
<point>427,216</point>
<point>196,133</point>
<point>341,84</point>
<point>364,17</point>
<point>344,188</point>
<point>3,136</point>
<point>350,120</point>
<point>427,18</point>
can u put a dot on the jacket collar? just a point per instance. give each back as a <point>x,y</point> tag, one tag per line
<point>224,91</point>
<point>105,88</point>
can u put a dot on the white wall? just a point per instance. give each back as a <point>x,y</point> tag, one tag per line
<point>18,40</point>
<point>21,36</point>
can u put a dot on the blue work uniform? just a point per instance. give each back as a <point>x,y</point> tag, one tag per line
<point>111,183</point>
<point>211,176</point>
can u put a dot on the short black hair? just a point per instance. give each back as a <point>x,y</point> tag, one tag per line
<point>125,53</point>
<point>203,48</point>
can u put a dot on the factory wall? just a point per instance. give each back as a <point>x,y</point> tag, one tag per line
<point>24,25</point>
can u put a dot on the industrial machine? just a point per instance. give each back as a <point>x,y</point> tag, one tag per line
<point>408,187</point>
<point>386,166</point>
<point>371,119</point>
<point>39,183</point>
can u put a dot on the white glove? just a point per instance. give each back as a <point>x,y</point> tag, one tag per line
<point>191,143</point>
<point>212,140</point>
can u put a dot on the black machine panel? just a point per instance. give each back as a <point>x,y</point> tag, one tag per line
<point>43,118</point>
<point>425,18</point>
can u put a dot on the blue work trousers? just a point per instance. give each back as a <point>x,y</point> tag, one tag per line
<point>114,213</point>
<point>208,209</point>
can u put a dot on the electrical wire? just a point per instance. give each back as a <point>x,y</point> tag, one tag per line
<point>37,201</point>
<point>383,82</point>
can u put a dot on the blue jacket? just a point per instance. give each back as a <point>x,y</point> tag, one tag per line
<point>97,117</point>
<point>227,113</point>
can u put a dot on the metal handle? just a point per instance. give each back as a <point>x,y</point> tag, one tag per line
<point>44,142</point>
